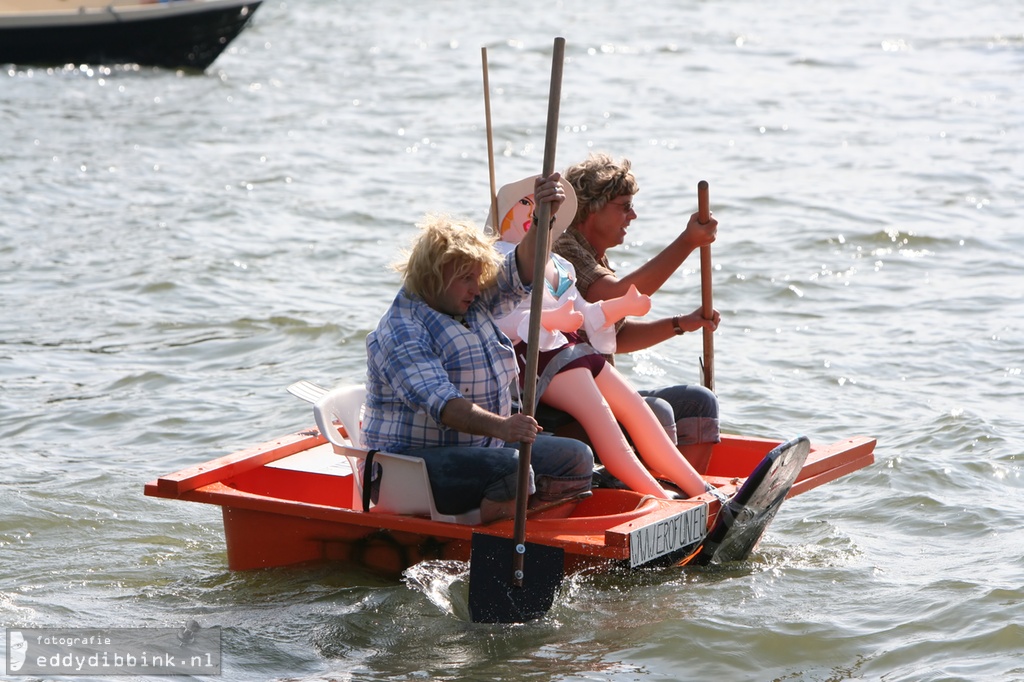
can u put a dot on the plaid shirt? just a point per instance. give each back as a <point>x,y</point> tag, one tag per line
<point>419,358</point>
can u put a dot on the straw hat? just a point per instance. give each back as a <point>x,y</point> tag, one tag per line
<point>515,211</point>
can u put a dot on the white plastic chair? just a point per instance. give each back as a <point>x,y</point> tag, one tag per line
<point>344,405</point>
<point>404,484</point>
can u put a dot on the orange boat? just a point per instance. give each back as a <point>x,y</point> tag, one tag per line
<point>296,499</point>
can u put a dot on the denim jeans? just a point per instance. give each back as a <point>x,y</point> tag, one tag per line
<point>463,476</point>
<point>688,413</point>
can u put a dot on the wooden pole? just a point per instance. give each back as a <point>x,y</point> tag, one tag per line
<point>540,231</point>
<point>490,142</point>
<point>704,215</point>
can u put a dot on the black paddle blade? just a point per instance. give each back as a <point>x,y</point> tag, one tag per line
<point>492,596</point>
<point>744,518</point>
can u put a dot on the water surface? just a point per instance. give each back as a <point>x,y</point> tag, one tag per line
<point>177,248</point>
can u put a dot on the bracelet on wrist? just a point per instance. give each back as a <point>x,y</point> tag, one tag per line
<point>675,325</point>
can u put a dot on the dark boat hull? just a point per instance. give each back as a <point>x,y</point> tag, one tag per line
<point>188,35</point>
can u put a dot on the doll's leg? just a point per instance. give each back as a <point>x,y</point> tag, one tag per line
<point>652,442</point>
<point>575,392</point>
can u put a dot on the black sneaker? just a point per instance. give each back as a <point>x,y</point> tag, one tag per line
<point>602,478</point>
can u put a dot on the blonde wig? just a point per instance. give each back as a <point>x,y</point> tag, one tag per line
<point>443,240</point>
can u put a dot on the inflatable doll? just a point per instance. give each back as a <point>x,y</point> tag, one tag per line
<point>574,376</point>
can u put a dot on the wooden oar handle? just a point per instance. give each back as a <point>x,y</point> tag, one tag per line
<point>490,141</point>
<point>540,232</point>
<point>707,306</point>
<point>703,204</point>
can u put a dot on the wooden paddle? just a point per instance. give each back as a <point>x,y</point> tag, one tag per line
<point>490,142</point>
<point>704,215</point>
<point>512,581</point>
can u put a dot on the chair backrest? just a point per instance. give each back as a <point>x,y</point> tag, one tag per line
<point>344,404</point>
<point>405,486</point>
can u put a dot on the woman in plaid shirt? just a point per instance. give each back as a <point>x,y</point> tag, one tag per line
<point>440,372</point>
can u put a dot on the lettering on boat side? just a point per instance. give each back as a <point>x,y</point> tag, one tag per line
<point>657,539</point>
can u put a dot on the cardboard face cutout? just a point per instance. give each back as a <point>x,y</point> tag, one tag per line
<point>515,211</point>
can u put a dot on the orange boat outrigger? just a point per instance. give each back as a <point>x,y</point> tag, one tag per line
<point>292,500</point>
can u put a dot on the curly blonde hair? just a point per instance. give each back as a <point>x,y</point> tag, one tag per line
<point>443,240</point>
<point>597,181</point>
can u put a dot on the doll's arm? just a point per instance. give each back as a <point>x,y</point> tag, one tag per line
<point>516,325</point>
<point>564,318</point>
<point>632,303</point>
<point>602,316</point>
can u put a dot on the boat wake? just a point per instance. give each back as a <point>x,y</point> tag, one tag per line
<point>445,583</point>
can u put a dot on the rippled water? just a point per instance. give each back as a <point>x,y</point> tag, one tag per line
<point>176,249</point>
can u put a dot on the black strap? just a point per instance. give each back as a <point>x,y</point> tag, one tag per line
<point>368,479</point>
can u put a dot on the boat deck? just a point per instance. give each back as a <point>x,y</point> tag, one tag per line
<point>292,500</point>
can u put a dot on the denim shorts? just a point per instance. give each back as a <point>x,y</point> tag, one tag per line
<point>461,477</point>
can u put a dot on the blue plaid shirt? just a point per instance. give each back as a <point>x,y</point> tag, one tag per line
<point>418,359</point>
